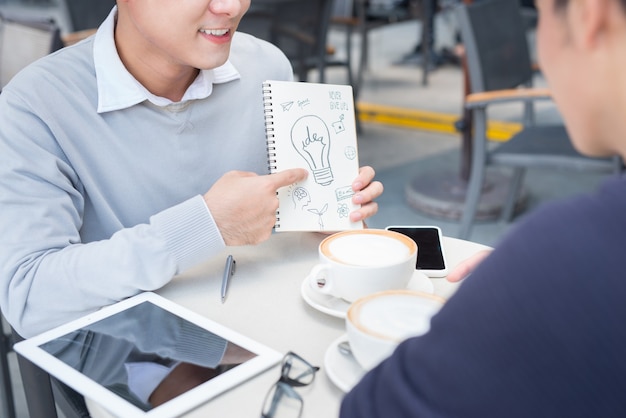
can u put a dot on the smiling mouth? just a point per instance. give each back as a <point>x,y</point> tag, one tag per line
<point>215,32</point>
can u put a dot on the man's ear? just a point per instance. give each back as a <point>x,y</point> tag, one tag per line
<point>589,20</point>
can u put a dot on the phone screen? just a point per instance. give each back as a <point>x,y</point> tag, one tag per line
<point>429,253</point>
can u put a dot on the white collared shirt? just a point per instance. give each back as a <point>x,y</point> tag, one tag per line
<point>118,89</point>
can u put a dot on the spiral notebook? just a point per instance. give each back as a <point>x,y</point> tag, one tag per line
<point>312,126</point>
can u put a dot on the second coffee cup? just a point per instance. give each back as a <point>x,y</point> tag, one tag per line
<point>354,264</point>
<point>377,323</point>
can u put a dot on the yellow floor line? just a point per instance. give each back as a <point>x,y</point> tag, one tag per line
<point>429,121</point>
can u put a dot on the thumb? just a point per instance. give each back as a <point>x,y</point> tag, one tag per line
<point>287,177</point>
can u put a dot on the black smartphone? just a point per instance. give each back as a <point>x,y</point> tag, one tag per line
<point>431,259</point>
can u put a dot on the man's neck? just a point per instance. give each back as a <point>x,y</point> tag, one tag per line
<point>159,77</point>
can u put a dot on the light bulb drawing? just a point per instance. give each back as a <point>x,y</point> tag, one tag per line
<point>311,139</point>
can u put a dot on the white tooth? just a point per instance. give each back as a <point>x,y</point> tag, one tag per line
<point>215,32</point>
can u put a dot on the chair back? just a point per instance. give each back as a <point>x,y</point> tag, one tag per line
<point>258,20</point>
<point>388,10</point>
<point>496,47</point>
<point>24,40</point>
<point>343,8</point>
<point>89,14</point>
<point>300,30</point>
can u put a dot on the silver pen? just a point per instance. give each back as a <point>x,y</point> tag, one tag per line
<point>229,270</point>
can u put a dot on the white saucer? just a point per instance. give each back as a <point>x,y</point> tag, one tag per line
<point>338,307</point>
<point>342,369</point>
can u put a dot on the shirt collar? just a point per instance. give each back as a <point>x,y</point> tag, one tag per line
<point>118,89</point>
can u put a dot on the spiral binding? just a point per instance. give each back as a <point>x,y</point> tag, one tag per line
<point>269,136</point>
<point>269,127</point>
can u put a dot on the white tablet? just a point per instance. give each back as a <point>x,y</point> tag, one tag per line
<point>147,357</point>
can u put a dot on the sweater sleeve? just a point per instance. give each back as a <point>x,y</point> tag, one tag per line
<point>49,274</point>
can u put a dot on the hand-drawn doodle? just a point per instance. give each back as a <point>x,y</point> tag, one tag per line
<point>343,211</point>
<point>311,139</point>
<point>287,106</point>
<point>349,152</point>
<point>319,214</point>
<point>343,193</point>
<point>300,197</point>
<point>339,125</point>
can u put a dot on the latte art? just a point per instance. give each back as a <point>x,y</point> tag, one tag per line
<point>377,323</point>
<point>358,263</point>
<point>368,250</point>
<point>397,316</point>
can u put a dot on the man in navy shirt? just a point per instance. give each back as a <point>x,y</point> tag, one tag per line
<point>536,331</point>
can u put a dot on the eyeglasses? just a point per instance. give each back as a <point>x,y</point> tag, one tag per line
<point>282,400</point>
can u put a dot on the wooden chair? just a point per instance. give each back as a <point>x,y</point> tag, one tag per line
<point>498,63</point>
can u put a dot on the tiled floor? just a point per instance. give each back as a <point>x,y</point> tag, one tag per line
<point>400,155</point>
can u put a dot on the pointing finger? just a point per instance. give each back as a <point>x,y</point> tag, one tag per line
<point>287,177</point>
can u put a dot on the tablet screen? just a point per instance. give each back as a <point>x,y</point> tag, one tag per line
<point>136,352</point>
<point>147,352</point>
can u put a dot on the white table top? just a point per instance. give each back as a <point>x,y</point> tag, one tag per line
<point>265,304</point>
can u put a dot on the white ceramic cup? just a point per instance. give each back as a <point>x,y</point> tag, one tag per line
<point>358,263</point>
<point>377,323</point>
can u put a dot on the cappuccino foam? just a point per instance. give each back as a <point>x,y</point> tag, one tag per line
<point>397,316</point>
<point>368,250</point>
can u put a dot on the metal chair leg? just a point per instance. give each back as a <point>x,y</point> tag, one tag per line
<point>477,175</point>
<point>6,394</point>
<point>37,388</point>
<point>514,191</point>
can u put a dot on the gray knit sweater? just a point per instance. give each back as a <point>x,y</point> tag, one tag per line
<point>96,207</point>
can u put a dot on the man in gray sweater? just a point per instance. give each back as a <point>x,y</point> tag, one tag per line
<point>133,155</point>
